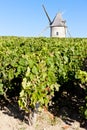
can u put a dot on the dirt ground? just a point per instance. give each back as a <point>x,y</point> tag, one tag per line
<point>11,118</point>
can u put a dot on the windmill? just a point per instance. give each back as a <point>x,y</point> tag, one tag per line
<point>57,26</point>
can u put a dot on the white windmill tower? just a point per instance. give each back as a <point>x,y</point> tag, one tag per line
<point>57,26</point>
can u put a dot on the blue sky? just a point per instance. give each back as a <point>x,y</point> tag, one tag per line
<point>27,18</point>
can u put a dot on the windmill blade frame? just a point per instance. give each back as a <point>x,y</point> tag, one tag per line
<point>44,30</point>
<point>69,33</point>
<point>47,14</point>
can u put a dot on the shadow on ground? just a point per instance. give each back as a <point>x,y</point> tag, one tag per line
<point>67,103</point>
<point>12,109</point>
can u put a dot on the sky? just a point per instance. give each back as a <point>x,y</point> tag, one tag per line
<point>27,18</point>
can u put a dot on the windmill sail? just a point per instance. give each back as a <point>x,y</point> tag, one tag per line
<point>47,14</point>
<point>41,33</point>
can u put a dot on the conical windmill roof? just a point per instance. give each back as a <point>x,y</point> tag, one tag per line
<point>58,21</point>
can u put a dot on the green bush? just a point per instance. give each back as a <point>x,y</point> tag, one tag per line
<point>36,67</point>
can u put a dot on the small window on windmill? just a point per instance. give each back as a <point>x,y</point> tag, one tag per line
<point>57,33</point>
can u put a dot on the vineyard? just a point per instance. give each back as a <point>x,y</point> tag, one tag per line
<point>34,70</point>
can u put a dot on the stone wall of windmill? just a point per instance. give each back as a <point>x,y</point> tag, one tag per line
<point>58,32</point>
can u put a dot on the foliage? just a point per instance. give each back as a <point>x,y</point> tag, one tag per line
<point>82,76</point>
<point>39,82</point>
<point>38,66</point>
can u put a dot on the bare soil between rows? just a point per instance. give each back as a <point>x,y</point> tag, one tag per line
<point>57,118</point>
